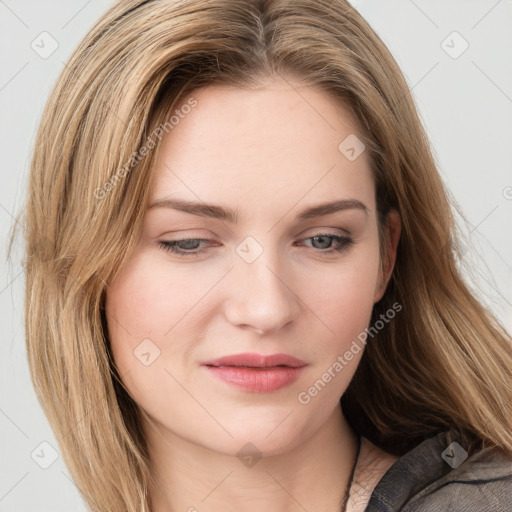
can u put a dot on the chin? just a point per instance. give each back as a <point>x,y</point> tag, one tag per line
<point>265,434</point>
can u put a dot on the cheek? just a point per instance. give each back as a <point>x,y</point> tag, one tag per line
<point>153,300</point>
<point>144,302</point>
<point>341,304</point>
<point>147,297</point>
<point>138,308</point>
<point>342,297</point>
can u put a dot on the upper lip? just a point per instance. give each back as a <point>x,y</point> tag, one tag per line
<point>253,360</point>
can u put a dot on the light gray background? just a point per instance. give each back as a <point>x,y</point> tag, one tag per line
<point>466,105</point>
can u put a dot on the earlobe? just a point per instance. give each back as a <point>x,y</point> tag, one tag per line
<point>393,230</point>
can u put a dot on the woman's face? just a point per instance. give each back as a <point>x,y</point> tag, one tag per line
<point>273,280</point>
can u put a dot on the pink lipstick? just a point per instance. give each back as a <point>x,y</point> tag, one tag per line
<point>255,372</point>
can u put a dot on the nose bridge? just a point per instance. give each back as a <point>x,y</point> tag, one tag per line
<point>260,296</point>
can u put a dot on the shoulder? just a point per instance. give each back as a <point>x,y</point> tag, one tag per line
<point>483,496</point>
<point>439,474</point>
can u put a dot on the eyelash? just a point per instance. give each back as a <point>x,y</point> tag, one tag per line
<point>346,243</point>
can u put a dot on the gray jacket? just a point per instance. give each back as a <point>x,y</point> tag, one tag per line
<point>438,476</point>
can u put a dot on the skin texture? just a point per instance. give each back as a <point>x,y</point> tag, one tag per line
<point>268,152</point>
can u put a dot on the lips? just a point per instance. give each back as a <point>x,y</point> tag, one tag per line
<point>252,360</point>
<point>255,372</point>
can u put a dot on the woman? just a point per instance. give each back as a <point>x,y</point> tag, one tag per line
<point>234,220</point>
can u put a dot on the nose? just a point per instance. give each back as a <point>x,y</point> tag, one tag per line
<point>260,296</point>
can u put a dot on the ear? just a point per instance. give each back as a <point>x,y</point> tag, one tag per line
<point>392,230</point>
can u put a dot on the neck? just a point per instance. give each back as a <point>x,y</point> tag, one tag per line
<point>312,476</point>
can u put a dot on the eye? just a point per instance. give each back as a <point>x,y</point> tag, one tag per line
<point>185,247</point>
<point>191,246</point>
<point>325,241</point>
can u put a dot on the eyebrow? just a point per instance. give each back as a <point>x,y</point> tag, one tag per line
<point>230,215</point>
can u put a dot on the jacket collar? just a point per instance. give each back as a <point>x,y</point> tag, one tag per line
<point>423,470</point>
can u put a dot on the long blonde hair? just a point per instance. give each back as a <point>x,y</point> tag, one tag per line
<point>445,362</point>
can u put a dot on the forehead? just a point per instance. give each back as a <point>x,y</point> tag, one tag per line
<point>283,140</point>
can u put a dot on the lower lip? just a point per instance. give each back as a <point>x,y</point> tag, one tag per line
<point>255,380</point>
